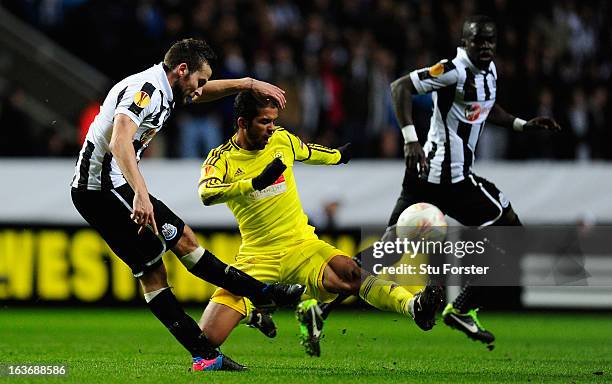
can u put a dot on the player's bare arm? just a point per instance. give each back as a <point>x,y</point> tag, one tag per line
<point>401,92</point>
<point>123,151</point>
<point>499,116</point>
<point>216,89</point>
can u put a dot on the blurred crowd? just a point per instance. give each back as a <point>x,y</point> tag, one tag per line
<point>336,59</point>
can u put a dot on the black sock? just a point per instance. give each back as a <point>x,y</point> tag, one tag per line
<point>469,298</point>
<point>213,270</point>
<point>327,308</point>
<point>186,331</point>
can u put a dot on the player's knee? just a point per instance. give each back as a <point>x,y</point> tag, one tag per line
<point>346,268</point>
<point>154,279</point>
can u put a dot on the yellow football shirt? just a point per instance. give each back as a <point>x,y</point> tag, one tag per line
<point>271,219</point>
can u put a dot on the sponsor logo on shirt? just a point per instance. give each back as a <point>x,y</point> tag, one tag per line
<point>281,179</point>
<point>277,188</point>
<point>472,112</point>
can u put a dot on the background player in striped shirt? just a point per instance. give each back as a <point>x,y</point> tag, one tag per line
<point>109,191</point>
<point>252,173</point>
<point>463,91</point>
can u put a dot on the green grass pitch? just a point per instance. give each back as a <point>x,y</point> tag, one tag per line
<point>130,346</point>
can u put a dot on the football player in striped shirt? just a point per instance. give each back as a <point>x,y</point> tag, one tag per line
<point>464,92</point>
<point>110,193</point>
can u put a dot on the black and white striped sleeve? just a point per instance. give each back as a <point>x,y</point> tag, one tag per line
<point>136,101</point>
<point>432,78</point>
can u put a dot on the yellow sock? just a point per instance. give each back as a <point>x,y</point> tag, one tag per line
<point>385,295</point>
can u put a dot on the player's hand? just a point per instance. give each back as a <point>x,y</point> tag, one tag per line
<point>269,175</point>
<point>345,153</point>
<point>143,213</point>
<point>263,90</point>
<point>414,155</point>
<point>542,123</point>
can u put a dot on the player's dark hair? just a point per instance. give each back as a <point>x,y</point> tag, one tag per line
<point>193,52</point>
<point>247,106</point>
<point>466,31</point>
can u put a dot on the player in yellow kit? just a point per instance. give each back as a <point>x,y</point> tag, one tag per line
<point>252,173</point>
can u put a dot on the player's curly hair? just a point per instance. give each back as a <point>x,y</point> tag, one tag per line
<point>193,52</point>
<point>246,105</point>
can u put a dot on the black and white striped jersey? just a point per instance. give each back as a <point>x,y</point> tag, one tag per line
<point>463,96</point>
<point>147,99</point>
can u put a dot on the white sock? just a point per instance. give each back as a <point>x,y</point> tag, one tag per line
<point>411,307</point>
<point>151,295</point>
<point>192,258</point>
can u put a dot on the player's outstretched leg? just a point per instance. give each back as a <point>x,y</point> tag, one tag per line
<point>203,264</point>
<point>388,296</point>
<point>389,235</point>
<point>344,275</point>
<point>310,317</point>
<point>167,309</point>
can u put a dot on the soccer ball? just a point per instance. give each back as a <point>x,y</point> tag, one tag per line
<point>421,221</point>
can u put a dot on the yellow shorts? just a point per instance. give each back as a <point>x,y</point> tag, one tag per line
<point>302,263</point>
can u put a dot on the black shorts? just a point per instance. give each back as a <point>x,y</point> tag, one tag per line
<point>109,213</point>
<point>473,201</point>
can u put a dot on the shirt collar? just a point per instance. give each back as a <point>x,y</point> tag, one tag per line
<point>163,80</point>
<point>463,57</point>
